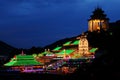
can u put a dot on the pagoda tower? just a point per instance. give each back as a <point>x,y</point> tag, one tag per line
<point>83,47</point>
<point>98,21</point>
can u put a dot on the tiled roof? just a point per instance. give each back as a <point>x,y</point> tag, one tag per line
<point>67,51</point>
<point>22,60</point>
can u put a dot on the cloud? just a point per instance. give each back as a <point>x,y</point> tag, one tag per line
<point>32,7</point>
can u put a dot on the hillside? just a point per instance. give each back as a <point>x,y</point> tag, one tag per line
<point>95,39</point>
<point>105,66</point>
<point>108,64</point>
<point>5,49</point>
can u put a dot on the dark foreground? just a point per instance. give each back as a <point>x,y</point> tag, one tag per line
<point>101,73</point>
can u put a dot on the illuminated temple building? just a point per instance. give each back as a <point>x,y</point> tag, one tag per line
<point>69,55</point>
<point>75,48</point>
<point>23,62</point>
<point>98,21</point>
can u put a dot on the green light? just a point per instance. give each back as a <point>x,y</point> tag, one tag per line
<point>111,33</point>
<point>23,60</point>
<point>76,42</point>
<point>93,50</point>
<point>44,53</point>
<point>57,48</point>
<point>40,55</point>
<point>10,63</point>
<point>67,43</point>
<point>34,55</point>
<point>24,57</point>
<point>66,51</point>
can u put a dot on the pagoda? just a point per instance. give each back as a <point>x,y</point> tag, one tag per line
<point>23,62</point>
<point>98,21</point>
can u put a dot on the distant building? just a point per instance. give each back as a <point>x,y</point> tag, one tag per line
<point>98,21</point>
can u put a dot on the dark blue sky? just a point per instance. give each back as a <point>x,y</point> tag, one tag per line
<point>27,23</point>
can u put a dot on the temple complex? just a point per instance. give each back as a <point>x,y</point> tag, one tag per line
<point>67,56</point>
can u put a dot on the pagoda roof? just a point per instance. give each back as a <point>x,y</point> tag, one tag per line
<point>57,48</point>
<point>98,13</point>
<point>69,43</point>
<point>23,60</point>
<point>76,42</point>
<point>67,51</point>
<point>24,57</point>
<point>93,50</point>
<point>46,52</point>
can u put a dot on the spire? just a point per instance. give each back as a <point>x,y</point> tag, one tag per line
<point>97,6</point>
<point>22,52</point>
<point>98,13</point>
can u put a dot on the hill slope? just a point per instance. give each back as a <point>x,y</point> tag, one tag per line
<point>5,49</point>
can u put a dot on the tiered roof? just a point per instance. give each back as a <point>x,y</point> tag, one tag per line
<point>67,43</point>
<point>76,42</point>
<point>67,51</point>
<point>63,49</point>
<point>98,13</point>
<point>93,50</point>
<point>57,48</point>
<point>23,60</point>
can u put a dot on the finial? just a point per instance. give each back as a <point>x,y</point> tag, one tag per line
<point>22,53</point>
<point>98,6</point>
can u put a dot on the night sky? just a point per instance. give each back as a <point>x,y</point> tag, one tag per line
<point>27,23</point>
